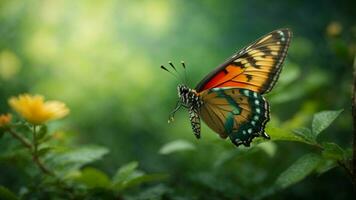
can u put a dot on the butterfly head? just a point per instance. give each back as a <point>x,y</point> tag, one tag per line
<point>182,90</point>
<point>188,97</point>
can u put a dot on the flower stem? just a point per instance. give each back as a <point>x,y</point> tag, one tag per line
<point>33,148</point>
<point>24,141</point>
<point>35,156</point>
<point>34,135</point>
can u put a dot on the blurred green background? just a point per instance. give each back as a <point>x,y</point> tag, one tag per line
<point>102,59</point>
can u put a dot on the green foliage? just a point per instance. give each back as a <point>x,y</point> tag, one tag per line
<point>333,151</point>
<point>102,59</point>
<point>330,156</point>
<point>128,176</point>
<point>282,134</point>
<point>93,178</point>
<point>176,146</point>
<point>6,194</point>
<point>125,172</point>
<point>73,159</point>
<point>306,134</point>
<point>298,170</point>
<point>42,132</point>
<point>153,193</point>
<point>322,120</point>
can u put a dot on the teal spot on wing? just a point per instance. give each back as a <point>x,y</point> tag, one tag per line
<point>236,108</point>
<point>229,123</point>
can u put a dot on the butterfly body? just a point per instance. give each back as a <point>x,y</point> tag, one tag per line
<point>190,99</point>
<point>229,99</point>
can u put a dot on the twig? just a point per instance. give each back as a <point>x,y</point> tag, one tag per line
<point>35,156</point>
<point>346,168</point>
<point>342,163</point>
<point>40,164</point>
<point>33,150</point>
<point>24,141</point>
<point>354,126</point>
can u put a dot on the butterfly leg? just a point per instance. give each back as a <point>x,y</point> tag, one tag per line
<point>265,135</point>
<point>177,107</point>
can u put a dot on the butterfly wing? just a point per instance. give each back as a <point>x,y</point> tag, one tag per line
<point>255,67</point>
<point>238,113</point>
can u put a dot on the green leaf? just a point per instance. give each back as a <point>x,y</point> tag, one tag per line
<point>306,134</point>
<point>269,148</point>
<point>44,150</point>
<point>176,146</point>
<point>128,176</point>
<point>23,127</point>
<point>224,157</point>
<point>322,120</point>
<point>125,172</point>
<point>333,151</point>
<point>298,171</point>
<point>93,178</point>
<point>41,132</point>
<point>73,159</point>
<point>282,134</point>
<point>156,192</point>
<point>6,194</point>
<point>325,165</point>
<point>145,178</point>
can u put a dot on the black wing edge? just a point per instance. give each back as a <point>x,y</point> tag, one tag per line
<point>241,52</point>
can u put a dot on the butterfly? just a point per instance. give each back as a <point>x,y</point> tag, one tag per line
<point>230,98</point>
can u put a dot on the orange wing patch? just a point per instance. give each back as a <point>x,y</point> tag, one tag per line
<point>255,67</point>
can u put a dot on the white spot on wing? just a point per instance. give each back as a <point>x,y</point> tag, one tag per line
<point>247,92</point>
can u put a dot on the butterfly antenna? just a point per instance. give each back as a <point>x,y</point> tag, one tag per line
<point>175,69</point>
<point>164,68</point>
<point>171,64</point>
<point>185,72</point>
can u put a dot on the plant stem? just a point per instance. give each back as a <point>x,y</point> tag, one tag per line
<point>34,136</point>
<point>24,141</point>
<point>33,149</point>
<point>342,163</point>
<point>354,125</point>
<point>35,156</point>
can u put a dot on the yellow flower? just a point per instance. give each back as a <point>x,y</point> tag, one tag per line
<point>35,110</point>
<point>5,120</point>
